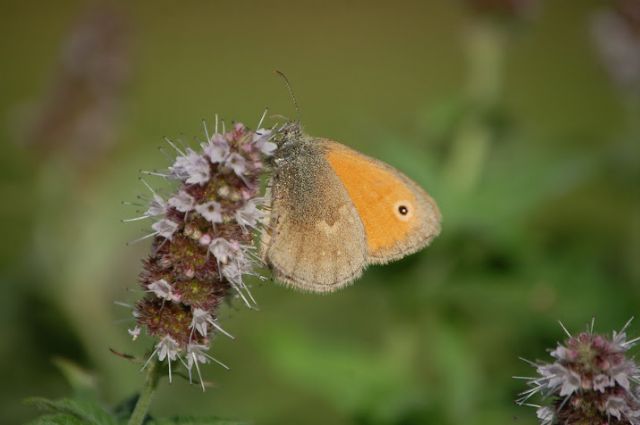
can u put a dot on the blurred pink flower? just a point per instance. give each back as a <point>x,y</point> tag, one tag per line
<point>591,381</point>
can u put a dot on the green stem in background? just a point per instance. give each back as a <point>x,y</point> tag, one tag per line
<point>632,107</point>
<point>486,42</point>
<point>150,384</point>
<point>633,139</point>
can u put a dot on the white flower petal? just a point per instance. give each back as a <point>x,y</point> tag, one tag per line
<point>157,206</point>
<point>616,406</point>
<point>601,382</point>
<point>200,321</point>
<point>261,140</point>
<point>135,332</point>
<point>162,289</point>
<point>217,149</point>
<point>196,353</point>
<point>545,415</point>
<point>211,211</point>
<point>249,215</point>
<point>183,202</point>
<point>234,270</point>
<point>222,249</point>
<point>570,383</point>
<point>192,168</point>
<point>237,163</point>
<point>165,228</point>
<point>167,348</point>
<point>560,353</point>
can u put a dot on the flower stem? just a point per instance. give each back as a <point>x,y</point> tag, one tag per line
<point>150,384</point>
<point>486,44</point>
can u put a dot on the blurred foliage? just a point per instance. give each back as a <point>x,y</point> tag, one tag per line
<point>513,125</point>
<point>86,409</point>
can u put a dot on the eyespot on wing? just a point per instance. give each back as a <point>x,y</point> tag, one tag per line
<point>399,217</point>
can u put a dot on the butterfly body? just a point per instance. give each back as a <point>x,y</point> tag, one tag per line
<point>333,211</point>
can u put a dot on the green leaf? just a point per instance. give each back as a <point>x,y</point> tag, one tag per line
<point>56,419</point>
<point>458,372</point>
<point>67,411</point>
<point>360,379</point>
<point>124,409</point>
<point>187,420</point>
<point>80,380</point>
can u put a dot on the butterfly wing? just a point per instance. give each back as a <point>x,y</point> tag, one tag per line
<point>399,217</point>
<point>314,240</point>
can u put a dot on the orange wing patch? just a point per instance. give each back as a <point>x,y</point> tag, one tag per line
<point>384,201</point>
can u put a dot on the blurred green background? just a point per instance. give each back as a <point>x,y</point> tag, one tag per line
<point>520,118</point>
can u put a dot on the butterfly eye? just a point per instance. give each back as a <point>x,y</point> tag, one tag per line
<point>403,210</point>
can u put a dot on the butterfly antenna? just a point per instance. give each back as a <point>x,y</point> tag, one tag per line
<point>293,97</point>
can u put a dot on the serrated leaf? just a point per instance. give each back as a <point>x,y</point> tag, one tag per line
<point>72,411</point>
<point>56,419</point>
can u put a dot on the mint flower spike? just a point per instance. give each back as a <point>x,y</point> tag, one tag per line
<point>592,381</point>
<point>202,244</point>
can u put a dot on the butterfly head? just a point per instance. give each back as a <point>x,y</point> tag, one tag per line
<point>288,132</point>
<point>289,138</point>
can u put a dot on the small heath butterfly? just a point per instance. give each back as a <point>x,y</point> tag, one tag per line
<point>333,211</point>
